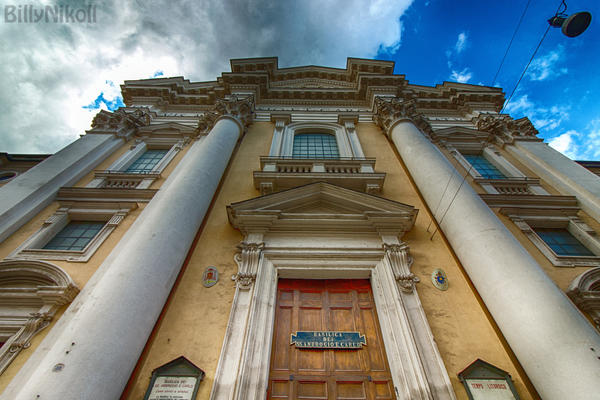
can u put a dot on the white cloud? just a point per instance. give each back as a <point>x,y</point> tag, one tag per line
<point>565,143</point>
<point>461,42</point>
<point>463,76</point>
<point>50,71</point>
<point>546,66</point>
<point>547,118</point>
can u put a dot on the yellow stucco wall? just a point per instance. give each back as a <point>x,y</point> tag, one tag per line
<point>195,320</point>
<point>80,272</point>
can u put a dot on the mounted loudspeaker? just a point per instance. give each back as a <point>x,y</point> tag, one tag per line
<point>572,26</point>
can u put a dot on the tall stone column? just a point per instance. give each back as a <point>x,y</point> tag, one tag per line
<point>29,193</point>
<point>555,344</point>
<point>94,347</point>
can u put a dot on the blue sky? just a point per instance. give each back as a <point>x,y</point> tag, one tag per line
<point>466,40</point>
<point>61,75</point>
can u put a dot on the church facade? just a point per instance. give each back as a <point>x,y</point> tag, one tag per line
<point>301,233</point>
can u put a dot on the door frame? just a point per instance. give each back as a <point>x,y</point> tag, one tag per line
<point>416,366</point>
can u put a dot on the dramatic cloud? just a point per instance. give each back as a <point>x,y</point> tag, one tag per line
<point>56,76</point>
<point>463,76</point>
<point>461,42</point>
<point>546,66</point>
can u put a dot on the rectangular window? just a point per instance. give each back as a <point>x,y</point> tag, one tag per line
<point>146,162</point>
<point>75,236</point>
<point>484,167</point>
<point>315,145</point>
<point>562,242</point>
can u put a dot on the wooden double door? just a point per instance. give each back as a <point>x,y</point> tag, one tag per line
<point>327,305</point>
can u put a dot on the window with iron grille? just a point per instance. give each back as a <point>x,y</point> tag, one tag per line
<point>562,242</point>
<point>485,168</point>
<point>315,145</point>
<point>147,161</point>
<point>75,236</point>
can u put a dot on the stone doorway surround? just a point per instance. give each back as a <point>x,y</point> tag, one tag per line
<point>322,231</point>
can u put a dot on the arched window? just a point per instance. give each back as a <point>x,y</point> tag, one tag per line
<point>585,293</point>
<point>31,292</point>
<point>315,145</point>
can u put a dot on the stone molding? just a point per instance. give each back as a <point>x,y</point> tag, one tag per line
<point>123,122</point>
<point>247,261</point>
<point>505,129</point>
<point>389,111</point>
<point>34,291</point>
<point>400,261</point>
<point>584,291</point>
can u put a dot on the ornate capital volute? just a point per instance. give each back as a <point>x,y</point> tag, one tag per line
<point>390,111</point>
<point>122,122</point>
<point>239,108</point>
<point>400,260</point>
<point>206,122</point>
<point>247,260</point>
<point>506,130</point>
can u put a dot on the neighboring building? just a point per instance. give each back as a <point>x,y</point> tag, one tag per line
<point>593,166</point>
<point>12,165</point>
<point>325,200</point>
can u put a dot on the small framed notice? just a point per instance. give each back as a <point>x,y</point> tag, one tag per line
<point>175,380</point>
<point>483,381</point>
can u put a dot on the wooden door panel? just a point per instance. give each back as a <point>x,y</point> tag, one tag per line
<point>312,389</point>
<point>346,390</point>
<point>327,305</point>
<point>280,389</point>
<point>375,349</point>
<point>281,341</point>
<point>383,390</point>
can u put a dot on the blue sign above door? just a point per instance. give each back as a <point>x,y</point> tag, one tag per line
<point>328,340</point>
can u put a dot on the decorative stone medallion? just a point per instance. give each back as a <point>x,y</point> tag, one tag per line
<point>439,279</point>
<point>210,277</point>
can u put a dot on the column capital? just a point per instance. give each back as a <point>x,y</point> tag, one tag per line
<point>247,260</point>
<point>389,111</point>
<point>235,108</point>
<point>240,109</point>
<point>505,129</point>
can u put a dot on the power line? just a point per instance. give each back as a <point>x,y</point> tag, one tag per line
<point>562,4</point>
<point>511,41</point>
<point>525,70</point>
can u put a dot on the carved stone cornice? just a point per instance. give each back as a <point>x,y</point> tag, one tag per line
<point>247,261</point>
<point>391,110</point>
<point>239,108</point>
<point>505,129</point>
<point>400,261</point>
<point>122,122</point>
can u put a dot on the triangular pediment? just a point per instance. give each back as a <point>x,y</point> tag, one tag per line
<point>461,133</point>
<point>322,206</point>
<point>168,128</point>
